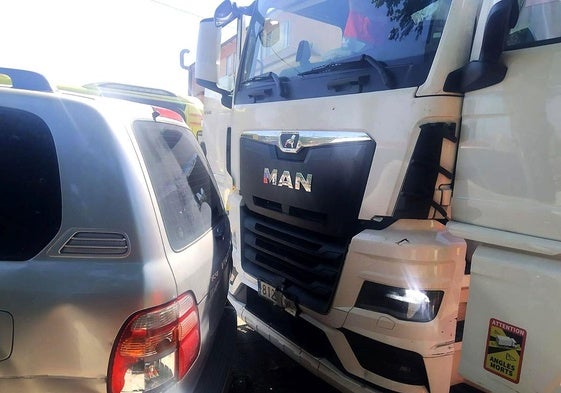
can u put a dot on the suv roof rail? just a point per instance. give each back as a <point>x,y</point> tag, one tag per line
<point>130,88</point>
<point>28,80</point>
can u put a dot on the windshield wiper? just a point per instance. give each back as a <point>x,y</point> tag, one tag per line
<point>348,62</point>
<point>262,90</point>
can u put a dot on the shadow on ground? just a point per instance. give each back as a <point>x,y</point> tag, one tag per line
<point>261,367</point>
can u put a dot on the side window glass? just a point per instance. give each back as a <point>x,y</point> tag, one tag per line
<point>539,23</point>
<point>185,192</point>
<point>30,196</point>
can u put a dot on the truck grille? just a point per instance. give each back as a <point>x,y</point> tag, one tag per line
<point>302,208</point>
<point>335,175</point>
<point>304,265</point>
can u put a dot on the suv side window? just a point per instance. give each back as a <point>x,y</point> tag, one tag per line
<point>30,194</point>
<point>539,23</point>
<point>185,192</point>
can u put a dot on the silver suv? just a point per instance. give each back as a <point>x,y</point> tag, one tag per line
<point>115,250</point>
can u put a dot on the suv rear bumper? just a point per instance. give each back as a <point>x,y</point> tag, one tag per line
<point>216,374</point>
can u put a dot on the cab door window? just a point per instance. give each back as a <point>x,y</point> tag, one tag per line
<point>539,23</point>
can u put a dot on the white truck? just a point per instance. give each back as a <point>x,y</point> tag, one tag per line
<point>394,188</point>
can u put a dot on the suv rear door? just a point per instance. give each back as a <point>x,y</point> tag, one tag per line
<point>197,235</point>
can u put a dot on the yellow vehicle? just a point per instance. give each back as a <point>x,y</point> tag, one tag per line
<point>190,108</point>
<point>5,80</point>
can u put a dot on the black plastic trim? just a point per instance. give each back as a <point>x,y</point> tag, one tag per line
<point>390,362</point>
<point>297,330</point>
<point>229,150</point>
<point>416,197</point>
<point>304,265</point>
<point>533,44</point>
<point>496,29</point>
<point>488,70</point>
<point>475,75</point>
<point>307,336</point>
<point>459,336</point>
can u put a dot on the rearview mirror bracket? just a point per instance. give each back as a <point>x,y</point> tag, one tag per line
<point>488,70</point>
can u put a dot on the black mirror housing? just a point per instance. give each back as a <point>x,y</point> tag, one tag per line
<point>488,69</point>
<point>225,13</point>
<point>228,11</point>
<point>475,75</point>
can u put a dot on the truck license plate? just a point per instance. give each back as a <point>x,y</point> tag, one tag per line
<point>270,293</point>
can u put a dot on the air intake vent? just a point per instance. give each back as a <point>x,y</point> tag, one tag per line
<point>428,181</point>
<point>304,264</point>
<point>96,244</point>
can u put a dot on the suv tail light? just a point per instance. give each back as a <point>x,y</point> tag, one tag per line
<point>156,347</point>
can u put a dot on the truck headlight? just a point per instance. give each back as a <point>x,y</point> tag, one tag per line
<point>408,304</point>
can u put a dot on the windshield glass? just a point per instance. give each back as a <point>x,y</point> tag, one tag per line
<point>293,40</point>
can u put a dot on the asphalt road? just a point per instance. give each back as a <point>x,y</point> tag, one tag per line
<point>261,367</point>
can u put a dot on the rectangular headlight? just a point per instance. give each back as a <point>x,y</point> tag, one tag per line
<point>408,304</point>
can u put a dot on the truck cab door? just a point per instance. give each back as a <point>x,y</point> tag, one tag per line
<point>510,148</point>
<point>220,42</point>
<point>507,198</point>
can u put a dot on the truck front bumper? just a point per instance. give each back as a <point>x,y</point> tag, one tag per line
<point>318,366</point>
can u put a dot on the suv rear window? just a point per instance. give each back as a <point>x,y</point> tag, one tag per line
<point>30,195</point>
<point>185,192</point>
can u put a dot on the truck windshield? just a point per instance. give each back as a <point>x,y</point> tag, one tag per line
<point>312,48</point>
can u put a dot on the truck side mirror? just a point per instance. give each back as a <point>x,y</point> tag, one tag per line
<point>208,52</point>
<point>228,11</point>
<point>487,69</point>
<point>225,13</point>
<point>208,59</point>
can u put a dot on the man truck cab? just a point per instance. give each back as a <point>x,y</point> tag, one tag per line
<point>351,124</point>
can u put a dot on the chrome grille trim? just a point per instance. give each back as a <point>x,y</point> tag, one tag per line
<point>306,138</point>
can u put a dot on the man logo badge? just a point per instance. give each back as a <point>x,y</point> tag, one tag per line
<point>285,180</point>
<point>289,142</point>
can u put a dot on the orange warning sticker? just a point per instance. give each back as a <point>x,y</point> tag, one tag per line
<point>505,350</point>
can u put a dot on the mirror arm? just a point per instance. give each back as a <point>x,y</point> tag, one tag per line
<point>488,70</point>
<point>226,95</point>
<point>475,75</point>
<point>228,11</point>
<point>246,10</point>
